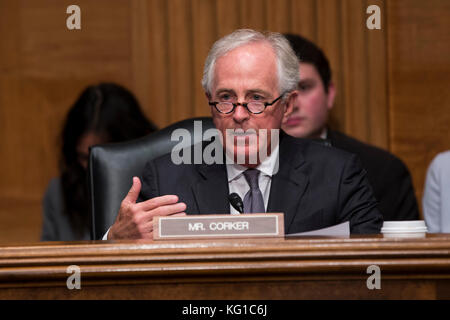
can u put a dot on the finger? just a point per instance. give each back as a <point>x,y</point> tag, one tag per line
<point>149,226</point>
<point>148,236</point>
<point>135,189</point>
<point>179,214</point>
<point>168,210</point>
<point>156,202</point>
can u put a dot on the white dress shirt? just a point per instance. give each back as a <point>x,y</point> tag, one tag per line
<point>238,184</point>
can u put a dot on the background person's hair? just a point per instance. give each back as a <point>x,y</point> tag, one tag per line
<point>109,111</point>
<point>287,62</point>
<point>308,52</point>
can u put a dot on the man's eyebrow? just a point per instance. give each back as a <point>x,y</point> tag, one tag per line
<point>307,80</point>
<point>248,92</point>
<point>219,91</point>
<point>257,91</point>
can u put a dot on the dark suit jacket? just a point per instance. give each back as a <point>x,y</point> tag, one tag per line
<point>315,187</point>
<point>57,225</point>
<point>389,177</point>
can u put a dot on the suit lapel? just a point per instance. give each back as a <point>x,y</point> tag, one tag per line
<point>289,184</point>
<point>211,190</point>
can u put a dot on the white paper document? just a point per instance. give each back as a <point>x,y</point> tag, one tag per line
<point>339,230</point>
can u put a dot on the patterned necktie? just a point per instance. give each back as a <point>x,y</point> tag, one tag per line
<point>253,200</point>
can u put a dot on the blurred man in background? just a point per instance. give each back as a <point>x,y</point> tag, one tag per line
<point>389,177</point>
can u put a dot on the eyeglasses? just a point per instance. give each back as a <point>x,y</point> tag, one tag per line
<point>254,107</point>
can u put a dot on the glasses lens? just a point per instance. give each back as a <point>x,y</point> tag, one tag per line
<point>256,107</point>
<point>225,107</point>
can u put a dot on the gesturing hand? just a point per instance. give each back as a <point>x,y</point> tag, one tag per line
<point>135,220</point>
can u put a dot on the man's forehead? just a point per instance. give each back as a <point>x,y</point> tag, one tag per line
<point>249,49</point>
<point>252,66</point>
<point>307,70</point>
<point>247,55</point>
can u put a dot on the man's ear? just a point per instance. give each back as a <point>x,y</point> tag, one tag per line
<point>331,95</point>
<point>290,102</point>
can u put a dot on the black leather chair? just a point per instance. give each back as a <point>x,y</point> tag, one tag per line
<point>112,167</point>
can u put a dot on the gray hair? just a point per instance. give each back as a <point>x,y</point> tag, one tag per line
<point>287,61</point>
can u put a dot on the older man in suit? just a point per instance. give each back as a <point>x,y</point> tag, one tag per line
<point>250,80</point>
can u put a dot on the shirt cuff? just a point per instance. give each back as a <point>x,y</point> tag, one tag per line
<point>105,237</point>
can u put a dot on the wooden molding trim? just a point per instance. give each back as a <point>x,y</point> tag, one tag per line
<point>311,268</point>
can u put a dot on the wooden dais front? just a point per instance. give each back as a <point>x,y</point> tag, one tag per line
<point>300,268</point>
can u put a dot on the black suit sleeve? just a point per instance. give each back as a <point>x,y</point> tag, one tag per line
<point>149,180</point>
<point>356,200</point>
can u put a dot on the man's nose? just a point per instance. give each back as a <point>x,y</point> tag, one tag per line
<point>240,114</point>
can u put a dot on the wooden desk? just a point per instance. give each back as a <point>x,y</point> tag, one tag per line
<point>302,268</point>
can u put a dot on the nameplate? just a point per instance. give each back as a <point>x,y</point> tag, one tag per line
<point>252,225</point>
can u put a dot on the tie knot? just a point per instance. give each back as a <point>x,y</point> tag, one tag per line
<point>251,175</point>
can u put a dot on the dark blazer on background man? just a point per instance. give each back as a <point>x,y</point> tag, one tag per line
<point>388,175</point>
<point>315,187</point>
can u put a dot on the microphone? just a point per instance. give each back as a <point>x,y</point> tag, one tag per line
<point>236,202</point>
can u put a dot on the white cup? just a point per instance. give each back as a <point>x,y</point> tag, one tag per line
<point>404,229</point>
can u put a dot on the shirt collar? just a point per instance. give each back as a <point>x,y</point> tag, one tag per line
<point>324,134</point>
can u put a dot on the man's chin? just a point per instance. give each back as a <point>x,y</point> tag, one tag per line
<point>298,132</point>
<point>247,155</point>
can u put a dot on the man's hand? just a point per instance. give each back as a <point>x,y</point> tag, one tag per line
<point>135,220</point>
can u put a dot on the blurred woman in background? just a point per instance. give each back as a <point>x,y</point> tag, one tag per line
<point>436,195</point>
<point>103,113</point>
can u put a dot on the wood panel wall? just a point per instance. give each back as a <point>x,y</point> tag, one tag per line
<point>43,68</point>
<point>180,42</point>
<point>419,82</point>
<point>157,49</point>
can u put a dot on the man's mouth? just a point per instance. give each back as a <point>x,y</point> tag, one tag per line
<point>240,133</point>
<point>242,138</point>
<point>294,121</point>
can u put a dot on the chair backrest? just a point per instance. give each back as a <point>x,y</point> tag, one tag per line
<point>112,167</point>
